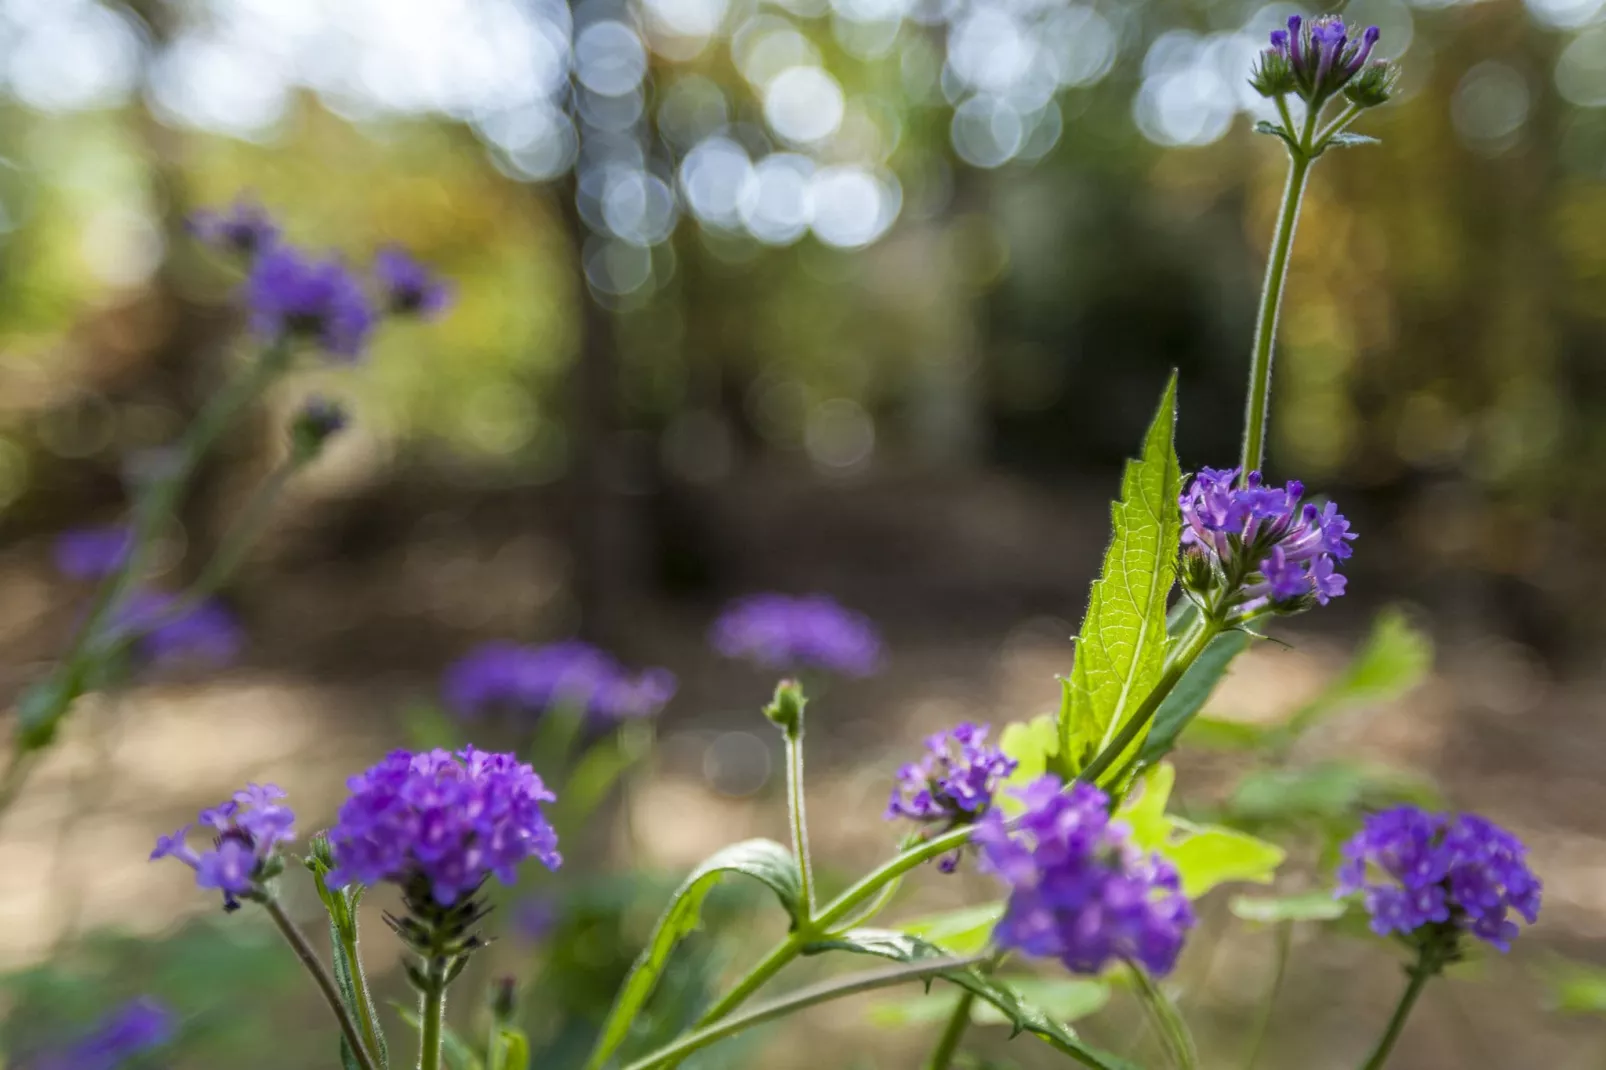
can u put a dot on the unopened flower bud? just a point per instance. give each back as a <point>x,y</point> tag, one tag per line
<point>504,999</point>
<point>786,708</point>
<point>318,420</point>
<point>1374,85</point>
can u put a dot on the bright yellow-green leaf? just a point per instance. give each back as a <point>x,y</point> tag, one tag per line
<point>1210,855</point>
<point>961,932</point>
<point>1144,811</point>
<point>1033,744</point>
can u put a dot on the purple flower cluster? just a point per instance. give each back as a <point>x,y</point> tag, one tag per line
<point>952,784</point>
<point>294,294</point>
<point>93,553</point>
<point>777,631</point>
<point>523,682</point>
<point>128,1032</point>
<point>1419,869</point>
<point>1257,544</point>
<point>169,633</point>
<point>247,832</point>
<point>1080,891</point>
<point>448,820</point>
<point>1316,58</point>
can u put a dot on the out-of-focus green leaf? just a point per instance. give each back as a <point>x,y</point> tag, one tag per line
<point>965,931</point>
<point>1120,650</point>
<point>1033,744</point>
<point>1573,986</point>
<point>512,1050</point>
<point>1304,906</point>
<point>1210,855</point>
<point>428,727</point>
<point>763,860</point>
<point>1213,733</point>
<point>1324,791</point>
<point>1396,658</point>
<point>1144,811</point>
<point>1192,691</point>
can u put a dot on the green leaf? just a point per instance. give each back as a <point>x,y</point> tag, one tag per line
<point>1065,999</point>
<point>512,1050</point>
<point>1344,139</point>
<point>1120,650</point>
<point>1573,986</point>
<point>961,932</point>
<point>1213,733</point>
<point>1143,812</point>
<point>459,1053</point>
<point>1323,792</point>
<point>1209,855</point>
<point>763,860</point>
<point>1191,693</point>
<point>1033,745</point>
<point>1016,1011</point>
<point>1305,906</point>
<point>1275,130</point>
<point>1395,659</point>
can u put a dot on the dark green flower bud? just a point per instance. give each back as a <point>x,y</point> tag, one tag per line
<point>1374,85</point>
<point>1273,75</point>
<point>786,709</point>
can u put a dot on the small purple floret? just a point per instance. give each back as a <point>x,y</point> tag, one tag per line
<point>523,682</point>
<point>1419,869</point>
<point>952,785</point>
<point>410,288</point>
<point>777,631</point>
<point>1080,892</point>
<point>248,830</point>
<point>451,820</point>
<point>169,634</point>
<point>243,228</point>
<point>93,553</point>
<point>1265,544</point>
<point>290,293</point>
<point>130,1031</point>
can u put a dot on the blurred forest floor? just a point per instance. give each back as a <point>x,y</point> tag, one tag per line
<point>354,606</point>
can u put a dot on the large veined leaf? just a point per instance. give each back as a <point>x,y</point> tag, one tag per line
<point>1021,1015</point>
<point>1120,650</point>
<point>763,860</point>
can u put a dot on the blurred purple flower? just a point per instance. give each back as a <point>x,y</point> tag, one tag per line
<point>448,821</point>
<point>168,635</point>
<point>535,917</point>
<point>243,228</point>
<point>248,830</point>
<point>524,682</point>
<point>291,294</point>
<point>410,288</point>
<point>777,631</point>
<point>133,1029</point>
<point>93,553</point>
<point>1080,891</point>
<point>1419,870</point>
<point>1260,544</point>
<point>952,785</point>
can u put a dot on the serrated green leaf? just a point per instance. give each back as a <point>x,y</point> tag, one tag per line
<point>965,931</point>
<point>1033,745</point>
<point>1120,649</point>
<point>1016,1011</point>
<point>1210,855</point>
<point>763,860</point>
<point>1192,691</point>
<point>1305,906</point>
<point>1394,660</point>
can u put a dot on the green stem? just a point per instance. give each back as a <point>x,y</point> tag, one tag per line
<point>1167,1021</point>
<point>1263,1021</point>
<point>326,984</point>
<point>1271,298</point>
<point>800,821</point>
<point>1424,968</point>
<point>1206,629</point>
<point>432,1015</point>
<point>825,992</point>
<point>359,984</point>
<point>942,1056</point>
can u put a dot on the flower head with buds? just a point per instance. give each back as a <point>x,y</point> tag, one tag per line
<point>1317,58</point>
<point>292,295</point>
<point>1252,546</point>
<point>1080,891</point>
<point>952,785</point>
<point>244,228</point>
<point>409,287</point>
<point>524,682</point>
<point>777,631</point>
<point>1432,878</point>
<point>248,831</point>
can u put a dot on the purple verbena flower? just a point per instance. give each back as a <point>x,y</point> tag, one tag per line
<point>1080,891</point>
<point>93,553</point>
<point>128,1032</point>
<point>248,831</point>
<point>777,631</point>
<point>292,294</point>
<point>1259,545</point>
<point>1315,58</point>
<point>168,632</point>
<point>1424,871</point>
<point>243,228</point>
<point>523,682</point>
<point>447,820</point>
<point>409,287</point>
<point>952,784</point>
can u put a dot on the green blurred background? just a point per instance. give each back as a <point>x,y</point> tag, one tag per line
<point>868,297</point>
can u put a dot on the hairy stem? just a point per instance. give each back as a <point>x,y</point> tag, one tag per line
<point>1257,407</point>
<point>326,984</point>
<point>1426,966</point>
<point>431,1016</point>
<point>359,984</point>
<point>800,821</point>
<point>1167,1021</point>
<point>942,1056</point>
